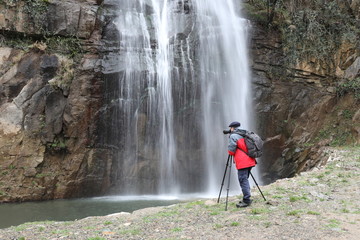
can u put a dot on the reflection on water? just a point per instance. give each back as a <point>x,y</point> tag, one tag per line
<point>12,214</point>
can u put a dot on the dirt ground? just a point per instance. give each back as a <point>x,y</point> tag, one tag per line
<point>321,204</point>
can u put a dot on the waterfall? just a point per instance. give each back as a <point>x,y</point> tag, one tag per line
<point>181,76</point>
<point>224,76</point>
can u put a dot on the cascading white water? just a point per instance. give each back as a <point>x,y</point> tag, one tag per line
<point>225,77</point>
<point>146,102</point>
<point>182,77</point>
<point>163,64</point>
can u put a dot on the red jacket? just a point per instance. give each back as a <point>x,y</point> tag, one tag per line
<point>242,160</point>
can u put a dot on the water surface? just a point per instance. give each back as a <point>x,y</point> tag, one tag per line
<point>12,214</point>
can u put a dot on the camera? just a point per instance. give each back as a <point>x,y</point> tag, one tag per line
<point>226,131</point>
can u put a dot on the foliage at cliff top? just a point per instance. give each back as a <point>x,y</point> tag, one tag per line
<point>310,29</point>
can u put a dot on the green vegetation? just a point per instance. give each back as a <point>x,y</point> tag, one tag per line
<point>325,25</point>
<point>348,114</point>
<point>278,196</point>
<point>167,213</point>
<point>193,204</point>
<point>267,224</point>
<point>218,226</point>
<point>313,212</point>
<point>40,229</point>
<point>16,41</point>
<point>11,167</point>
<point>60,232</point>
<point>333,223</point>
<point>57,145</point>
<point>235,224</point>
<point>36,11</point>
<point>256,11</point>
<point>349,86</point>
<point>64,76</point>
<point>297,198</point>
<point>42,175</point>
<point>344,210</point>
<point>256,211</point>
<point>214,213</point>
<point>130,232</point>
<point>313,29</point>
<point>68,46</point>
<point>162,214</point>
<point>338,134</point>
<point>96,238</point>
<point>31,224</point>
<point>294,213</point>
<point>320,176</point>
<point>177,229</point>
<point>281,189</point>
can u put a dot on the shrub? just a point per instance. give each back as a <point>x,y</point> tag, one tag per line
<point>311,29</point>
<point>294,213</point>
<point>349,86</point>
<point>234,224</point>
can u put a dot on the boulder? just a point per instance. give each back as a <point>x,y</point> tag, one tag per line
<point>10,119</point>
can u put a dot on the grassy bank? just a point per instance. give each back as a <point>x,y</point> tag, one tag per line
<point>321,204</point>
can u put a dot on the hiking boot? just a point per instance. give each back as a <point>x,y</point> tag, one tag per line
<point>242,204</point>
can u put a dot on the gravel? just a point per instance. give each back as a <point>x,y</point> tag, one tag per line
<point>321,204</point>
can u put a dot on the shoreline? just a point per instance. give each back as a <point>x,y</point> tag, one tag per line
<point>320,204</point>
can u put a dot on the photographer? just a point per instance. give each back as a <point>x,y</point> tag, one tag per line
<point>244,163</point>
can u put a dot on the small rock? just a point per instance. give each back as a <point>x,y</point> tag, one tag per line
<point>108,233</point>
<point>210,203</point>
<point>313,180</point>
<point>118,214</point>
<point>318,195</point>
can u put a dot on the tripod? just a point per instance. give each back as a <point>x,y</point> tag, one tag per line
<point>222,183</point>
<point>228,187</point>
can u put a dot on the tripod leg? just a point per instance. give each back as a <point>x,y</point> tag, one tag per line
<point>222,183</point>
<point>258,186</point>
<point>228,187</point>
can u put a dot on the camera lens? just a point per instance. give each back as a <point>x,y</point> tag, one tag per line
<point>226,131</point>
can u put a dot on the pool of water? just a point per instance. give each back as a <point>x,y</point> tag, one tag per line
<point>12,214</point>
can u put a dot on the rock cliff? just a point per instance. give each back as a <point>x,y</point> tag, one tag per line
<point>50,93</point>
<point>312,102</point>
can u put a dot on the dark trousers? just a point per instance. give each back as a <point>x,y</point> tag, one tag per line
<point>243,175</point>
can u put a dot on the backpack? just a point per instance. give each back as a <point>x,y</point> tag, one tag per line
<point>254,144</point>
